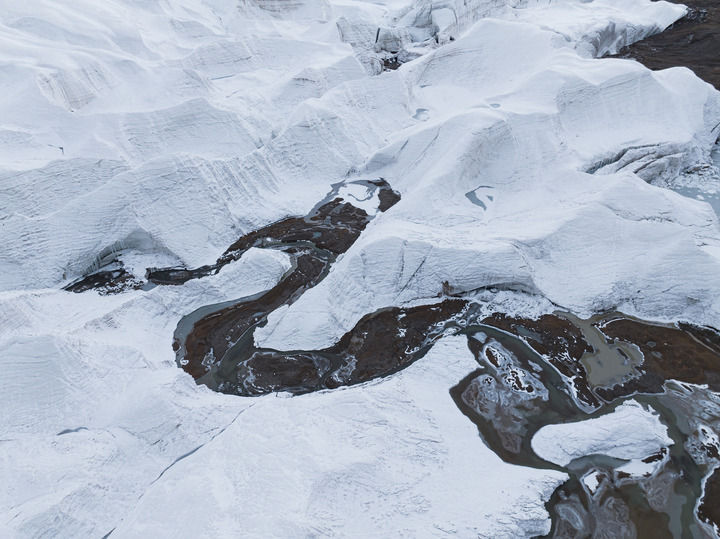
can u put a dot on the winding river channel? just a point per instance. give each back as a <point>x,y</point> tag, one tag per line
<point>531,373</point>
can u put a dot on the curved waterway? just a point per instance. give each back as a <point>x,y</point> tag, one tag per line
<point>215,344</point>
<point>531,373</point>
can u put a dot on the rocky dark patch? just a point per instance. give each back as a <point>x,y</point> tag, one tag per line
<point>711,449</point>
<point>391,63</point>
<point>656,457</point>
<point>380,344</point>
<point>559,341</point>
<point>709,508</point>
<point>386,195</point>
<point>218,351</point>
<point>693,41</point>
<point>686,353</point>
<point>178,276</point>
<point>111,281</point>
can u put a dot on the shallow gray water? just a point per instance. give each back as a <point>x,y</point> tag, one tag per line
<point>662,505</point>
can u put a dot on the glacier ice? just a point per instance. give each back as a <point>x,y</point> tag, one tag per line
<point>164,131</point>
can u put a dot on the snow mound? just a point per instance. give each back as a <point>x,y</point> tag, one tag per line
<point>398,449</point>
<point>629,432</point>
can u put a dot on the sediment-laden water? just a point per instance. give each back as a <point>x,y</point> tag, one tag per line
<point>516,391</point>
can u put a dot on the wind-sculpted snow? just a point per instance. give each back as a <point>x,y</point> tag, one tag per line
<point>219,101</point>
<point>521,143</point>
<point>157,134</point>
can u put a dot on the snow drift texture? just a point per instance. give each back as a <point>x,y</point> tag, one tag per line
<point>163,131</point>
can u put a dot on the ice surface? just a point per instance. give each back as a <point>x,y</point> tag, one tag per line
<point>548,225</point>
<point>383,459</point>
<point>164,131</point>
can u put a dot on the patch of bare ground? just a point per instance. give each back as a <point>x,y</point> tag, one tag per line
<point>693,42</point>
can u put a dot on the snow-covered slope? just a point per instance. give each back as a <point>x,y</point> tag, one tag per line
<point>388,458</point>
<point>497,188</point>
<point>161,132</point>
<point>202,117</point>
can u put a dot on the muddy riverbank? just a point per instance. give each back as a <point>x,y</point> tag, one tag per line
<point>693,42</point>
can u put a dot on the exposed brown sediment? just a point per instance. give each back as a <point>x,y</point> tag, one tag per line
<point>685,352</point>
<point>334,226</point>
<point>693,41</point>
<point>549,335</point>
<point>178,276</point>
<point>212,336</point>
<point>556,339</point>
<point>219,351</point>
<point>392,63</point>
<point>380,344</point>
<point>387,196</point>
<point>314,242</point>
<point>709,508</point>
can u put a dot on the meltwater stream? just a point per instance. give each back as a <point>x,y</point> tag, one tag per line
<point>531,373</point>
<point>516,391</point>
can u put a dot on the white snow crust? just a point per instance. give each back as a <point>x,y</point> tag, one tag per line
<point>121,440</point>
<point>630,432</point>
<point>516,126</point>
<point>162,131</point>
